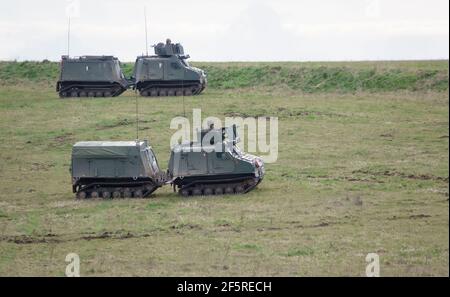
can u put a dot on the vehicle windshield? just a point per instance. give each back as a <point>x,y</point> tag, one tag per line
<point>236,151</point>
<point>185,62</point>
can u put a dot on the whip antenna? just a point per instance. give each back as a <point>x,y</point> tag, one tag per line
<point>68,38</point>
<point>146,39</point>
<point>137,114</point>
<point>182,92</point>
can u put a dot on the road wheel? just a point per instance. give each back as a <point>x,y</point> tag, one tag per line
<point>144,93</point>
<point>91,94</point>
<point>98,94</point>
<point>138,194</point>
<point>197,192</point>
<point>229,190</point>
<point>94,194</point>
<point>154,93</point>
<point>218,191</point>
<point>127,193</point>
<point>163,93</point>
<point>73,94</point>
<point>107,94</point>
<point>179,92</point>
<point>207,191</point>
<point>83,94</point>
<point>239,189</point>
<point>188,92</point>
<point>184,192</point>
<point>116,194</point>
<point>106,194</point>
<point>171,92</point>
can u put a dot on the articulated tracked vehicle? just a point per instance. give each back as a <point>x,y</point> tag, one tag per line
<point>167,73</point>
<point>114,169</point>
<point>91,76</point>
<point>214,165</point>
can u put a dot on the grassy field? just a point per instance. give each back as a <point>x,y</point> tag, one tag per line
<point>362,167</point>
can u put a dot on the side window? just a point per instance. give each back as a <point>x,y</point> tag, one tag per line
<point>222,156</point>
<point>175,65</point>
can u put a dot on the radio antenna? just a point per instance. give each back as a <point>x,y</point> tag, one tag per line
<point>182,92</point>
<point>137,114</point>
<point>68,38</point>
<point>146,39</point>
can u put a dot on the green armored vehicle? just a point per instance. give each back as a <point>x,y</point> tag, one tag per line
<point>114,169</point>
<point>214,165</point>
<point>91,76</point>
<point>168,73</point>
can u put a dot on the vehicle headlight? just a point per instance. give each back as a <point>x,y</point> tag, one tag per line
<point>259,163</point>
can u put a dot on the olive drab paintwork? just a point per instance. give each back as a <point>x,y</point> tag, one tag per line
<point>167,73</point>
<point>114,168</point>
<point>91,76</point>
<point>214,165</point>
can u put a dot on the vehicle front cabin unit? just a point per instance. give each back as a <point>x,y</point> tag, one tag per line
<point>168,73</point>
<point>214,165</point>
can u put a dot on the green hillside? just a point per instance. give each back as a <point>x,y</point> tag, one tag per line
<point>306,77</point>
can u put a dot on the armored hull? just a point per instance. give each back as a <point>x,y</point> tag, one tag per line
<point>91,76</point>
<point>114,169</point>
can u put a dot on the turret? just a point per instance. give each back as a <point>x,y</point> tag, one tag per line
<point>169,49</point>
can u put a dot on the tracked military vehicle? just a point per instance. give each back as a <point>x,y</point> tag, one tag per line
<point>91,76</point>
<point>214,165</point>
<point>117,169</point>
<point>167,73</point>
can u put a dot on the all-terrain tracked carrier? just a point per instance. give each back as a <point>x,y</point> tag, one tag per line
<point>117,169</point>
<point>91,76</point>
<point>167,73</point>
<point>214,165</point>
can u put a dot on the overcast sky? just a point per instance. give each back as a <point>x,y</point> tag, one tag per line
<point>232,30</point>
